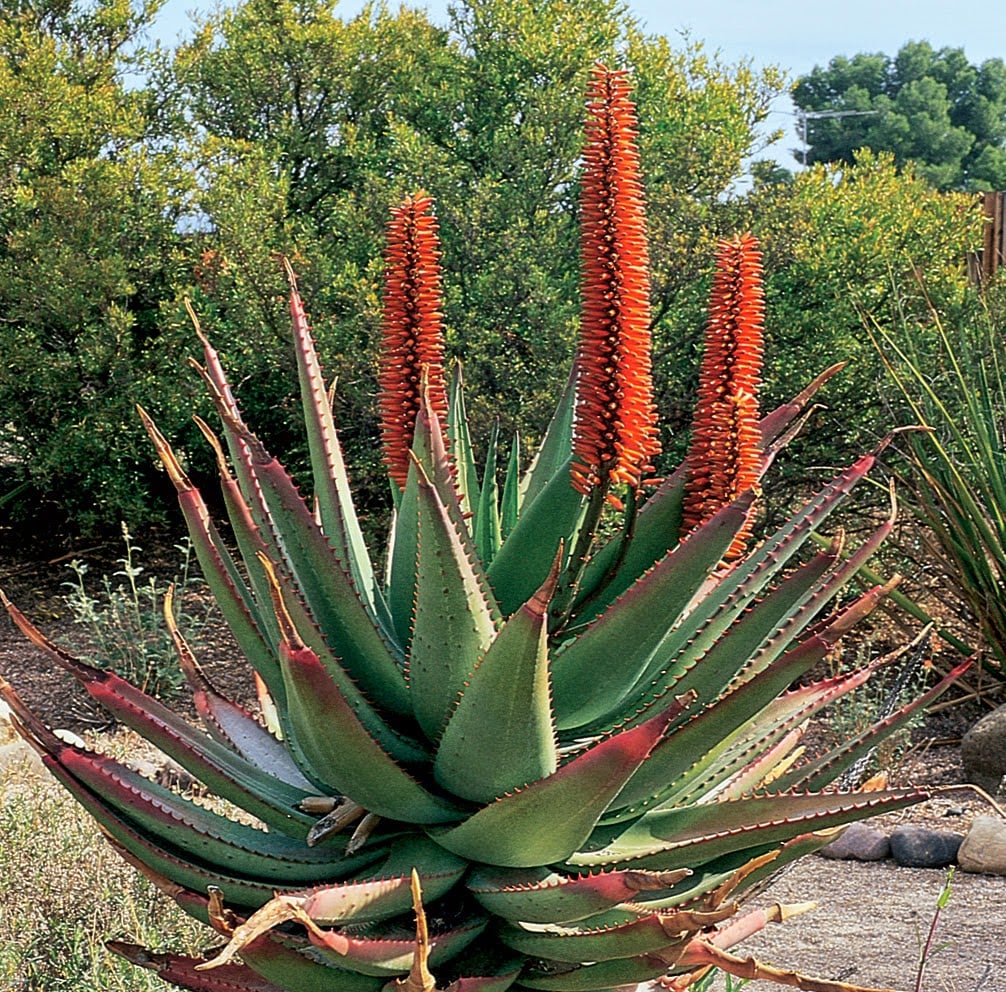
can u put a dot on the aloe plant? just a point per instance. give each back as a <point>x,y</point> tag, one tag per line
<point>550,740</point>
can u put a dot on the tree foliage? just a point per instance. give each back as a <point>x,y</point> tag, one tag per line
<point>485,114</point>
<point>87,210</point>
<point>927,106</point>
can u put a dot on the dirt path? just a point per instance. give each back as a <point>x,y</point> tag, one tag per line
<point>872,919</point>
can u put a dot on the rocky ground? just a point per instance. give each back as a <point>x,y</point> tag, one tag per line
<point>872,918</point>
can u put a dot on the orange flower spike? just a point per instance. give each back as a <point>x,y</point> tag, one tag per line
<point>412,330</point>
<point>615,430</point>
<point>725,455</point>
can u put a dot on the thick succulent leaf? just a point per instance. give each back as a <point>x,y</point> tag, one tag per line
<point>460,440</point>
<point>599,976</point>
<point>691,835</point>
<point>822,772</point>
<point>775,424</point>
<point>617,564</point>
<point>386,891</point>
<point>431,456</point>
<point>194,830</point>
<point>549,819</point>
<point>648,934</point>
<point>341,750</point>
<point>656,530</point>
<point>488,534</point>
<point>235,600</point>
<point>234,726</point>
<point>360,901</point>
<point>552,456</point>
<point>224,771</point>
<point>731,594</point>
<point>298,627</point>
<point>331,482</point>
<point>549,522</point>
<point>759,634</point>
<point>328,589</point>
<point>174,823</point>
<point>500,735</point>
<point>389,956</point>
<point>545,897</point>
<point>511,500</point>
<point>734,753</point>
<point>593,673</point>
<point>688,751</point>
<point>293,965</point>
<point>180,970</point>
<point>454,619</point>
<point>154,856</point>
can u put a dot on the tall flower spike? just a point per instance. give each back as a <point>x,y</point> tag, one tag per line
<point>725,454</point>
<point>615,432</point>
<point>412,334</point>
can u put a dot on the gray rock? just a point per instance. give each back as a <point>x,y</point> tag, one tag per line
<point>984,848</point>
<point>859,842</point>
<point>920,847</point>
<point>983,751</point>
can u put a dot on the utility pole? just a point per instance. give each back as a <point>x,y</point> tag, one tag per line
<point>803,116</point>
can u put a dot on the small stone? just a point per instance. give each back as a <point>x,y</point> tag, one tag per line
<point>984,848</point>
<point>859,842</point>
<point>954,811</point>
<point>920,847</point>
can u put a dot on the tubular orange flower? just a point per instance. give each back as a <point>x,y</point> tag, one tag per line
<point>412,335</point>
<point>615,432</point>
<point>725,453</point>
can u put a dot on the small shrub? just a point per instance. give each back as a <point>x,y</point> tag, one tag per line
<point>124,618</point>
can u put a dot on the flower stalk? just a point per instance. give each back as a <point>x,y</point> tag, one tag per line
<point>412,330</point>
<point>725,454</point>
<point>615,433</point>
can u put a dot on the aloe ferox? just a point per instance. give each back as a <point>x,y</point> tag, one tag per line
<point>552,739</point>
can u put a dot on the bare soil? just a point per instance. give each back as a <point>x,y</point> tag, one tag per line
<point>872,919</point>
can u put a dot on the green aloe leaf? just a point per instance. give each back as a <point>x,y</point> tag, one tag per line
<point>180,970</point>
<point>549,819</point>
<point>691,835</point>
<point>511,500</point>
<point>501,735</point>
<point>328,589</point>
<point>331,483</point>
<point>596,977</point>
<point>593,673</point>
<point>340,748</point>
<point>237,603</point>
<point>488,534</point>
<point>821,773</point>
<point>545,897</point>
<point>553,454</point>
<point>390,955</point>
<point>550,520</point>
<point>459,437</point>
<point>454,616</point>
<point>625,939</point>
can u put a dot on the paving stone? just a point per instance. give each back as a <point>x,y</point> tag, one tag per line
<point>919,847</point>
<point>984,848</point>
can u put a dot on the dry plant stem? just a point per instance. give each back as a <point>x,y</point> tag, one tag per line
<point>753,970</point>
<point>971,787</point>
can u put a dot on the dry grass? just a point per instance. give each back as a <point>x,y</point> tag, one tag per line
<point>64,891</point>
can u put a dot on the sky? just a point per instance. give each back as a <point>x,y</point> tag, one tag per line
<point>796,36</point>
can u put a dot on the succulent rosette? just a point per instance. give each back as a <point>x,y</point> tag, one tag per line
<point>552,737</point>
